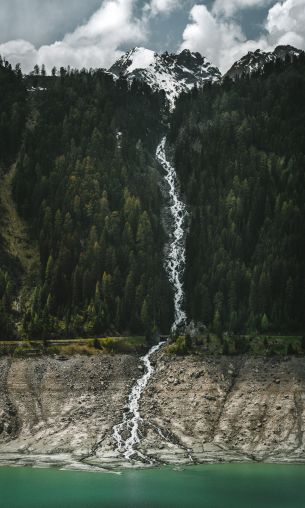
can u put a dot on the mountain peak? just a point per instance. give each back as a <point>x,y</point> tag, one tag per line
<point>138,58</point>
<point>282,51</point>
<point>255,60</point>
<point>172,73</point>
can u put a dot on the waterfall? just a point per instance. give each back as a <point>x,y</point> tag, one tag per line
<point>175,258</point>
<point>132,417</point>
<point>174,264</point>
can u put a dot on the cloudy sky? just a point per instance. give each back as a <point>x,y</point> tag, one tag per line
<point>94,33</point>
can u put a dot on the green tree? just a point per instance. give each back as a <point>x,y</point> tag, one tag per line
<point>265,323</point>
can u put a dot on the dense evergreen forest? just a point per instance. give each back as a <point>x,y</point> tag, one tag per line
<point>240,156</point>
<point>86,183</point>
<point>12,120</point>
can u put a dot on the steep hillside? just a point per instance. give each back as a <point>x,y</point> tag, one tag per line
<point>83,196</point>
<point>86,182</point>
<point>18,243</point>
<point>240,153</point>
<point>15,252</point>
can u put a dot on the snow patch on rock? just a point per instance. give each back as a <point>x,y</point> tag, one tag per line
<point>141,59</point>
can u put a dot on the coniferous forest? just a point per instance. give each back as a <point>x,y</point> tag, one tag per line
<point>87,185</point>
<point>240,156</point>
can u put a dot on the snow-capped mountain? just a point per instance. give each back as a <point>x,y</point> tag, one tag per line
<point>169,72</point>
<point>255,60</point>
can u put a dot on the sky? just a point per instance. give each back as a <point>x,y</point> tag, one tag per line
<point>95,33</point>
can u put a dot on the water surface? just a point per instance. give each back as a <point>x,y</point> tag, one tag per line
<point>212,486</point>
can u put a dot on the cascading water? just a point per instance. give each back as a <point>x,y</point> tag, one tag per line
<point>174,263</point>
<point>175,258</point>
<point>132,417</point>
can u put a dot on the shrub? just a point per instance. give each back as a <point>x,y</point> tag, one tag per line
<point>179,347</point>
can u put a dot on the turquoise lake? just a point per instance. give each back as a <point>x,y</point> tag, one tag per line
<point>206,486</point>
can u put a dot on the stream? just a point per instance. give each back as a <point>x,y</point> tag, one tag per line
<point>175,255</point>
<point>126,433</point>
<point>131,417</point>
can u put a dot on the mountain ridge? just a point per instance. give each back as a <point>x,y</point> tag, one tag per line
<point>177,73</point>
<point>256,60</point>
<point>168,72</point>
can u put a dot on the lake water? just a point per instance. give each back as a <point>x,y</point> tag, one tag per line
<point>211,486</point>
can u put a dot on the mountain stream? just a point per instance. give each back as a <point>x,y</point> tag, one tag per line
<point>126,433</point>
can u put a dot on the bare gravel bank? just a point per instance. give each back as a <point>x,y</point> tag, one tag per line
<point>61,412</point>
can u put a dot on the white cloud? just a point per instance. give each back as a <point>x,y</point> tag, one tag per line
<point>221,39</point>
<point>153,8</point>
<point>93,44</point>
<point>19,51</point>
<point>42,21</point>
<point>229,7</point>
<point>214,33</point>
<point>286,23</point>
<point>163,6</point>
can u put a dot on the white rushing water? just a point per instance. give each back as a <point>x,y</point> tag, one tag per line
<point>131,417</point>
<point>175,258</point>
<point>126,433</point>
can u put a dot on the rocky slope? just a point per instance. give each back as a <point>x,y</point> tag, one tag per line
<point>237,408</point>
<point>56,411</point>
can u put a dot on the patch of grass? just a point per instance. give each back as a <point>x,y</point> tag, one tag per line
<point>71,350</point>
<point>264,345</point>
<point>70,347</point>
<point>130,344</point>
<point>209,343</point>
<point>280,345</point>
<point>178,347</point>
<point>22,349</point>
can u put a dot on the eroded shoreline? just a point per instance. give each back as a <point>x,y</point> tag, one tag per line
<point>60,413</point>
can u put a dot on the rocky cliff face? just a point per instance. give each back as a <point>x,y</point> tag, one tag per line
<point>202,410</point>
